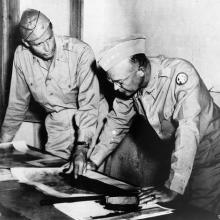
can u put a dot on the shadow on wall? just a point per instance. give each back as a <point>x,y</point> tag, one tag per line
<point>141,158</point>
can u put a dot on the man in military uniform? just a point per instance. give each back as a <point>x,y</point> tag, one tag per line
<point>58,72</point>
<point>170,94</point>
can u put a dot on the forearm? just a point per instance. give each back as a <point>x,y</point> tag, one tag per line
<point>183,158</point>
<point>86,120</point>
<point>18,103</point>
<point>88,97</point>
<point>12,121</point>
<point>110,138</point>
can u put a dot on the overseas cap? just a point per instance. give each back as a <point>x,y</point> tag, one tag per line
<point>119,49</point>
<point>33,24</point>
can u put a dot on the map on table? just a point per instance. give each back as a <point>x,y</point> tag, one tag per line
<point>54,182</point>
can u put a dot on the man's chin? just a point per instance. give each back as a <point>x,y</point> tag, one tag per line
<point>48,57</point>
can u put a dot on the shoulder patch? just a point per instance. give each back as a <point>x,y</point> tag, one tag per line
<point>181,78</point>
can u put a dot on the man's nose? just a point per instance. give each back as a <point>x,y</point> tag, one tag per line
<point>46,46</point>
<point>116,87</point>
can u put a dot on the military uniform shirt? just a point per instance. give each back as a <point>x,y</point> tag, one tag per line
<point>69,88</point>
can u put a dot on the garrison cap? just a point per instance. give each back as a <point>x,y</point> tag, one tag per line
<point>33,24</point>
<point>119,49</point>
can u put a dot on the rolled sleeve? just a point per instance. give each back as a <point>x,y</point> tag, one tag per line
<point>88,97</point>
<point>116,127</point>
<point>19,99</point>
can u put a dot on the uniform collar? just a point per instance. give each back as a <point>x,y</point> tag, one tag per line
<point>157,71</point>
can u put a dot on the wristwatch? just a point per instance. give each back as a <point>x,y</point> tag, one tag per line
<point>82,143</point>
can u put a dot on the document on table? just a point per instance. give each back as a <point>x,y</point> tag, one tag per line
<point>54,182</point>
<point>20,146</point>
<point>17,145</point>
<point>88,210</point>
<point>14,154</point>
<point>5,175</point>
<point>49,181</point>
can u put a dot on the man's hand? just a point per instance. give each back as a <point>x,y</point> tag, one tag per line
<point>77,165</point>
<point>156,194</point>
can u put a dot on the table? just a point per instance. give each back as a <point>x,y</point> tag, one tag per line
<point>20,201</point>
<point>23,202</point>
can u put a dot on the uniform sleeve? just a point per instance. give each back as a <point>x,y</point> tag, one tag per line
<point>117,125</point>
<point>88,97</point>
<point>187,115</point>
<point>19,99</point>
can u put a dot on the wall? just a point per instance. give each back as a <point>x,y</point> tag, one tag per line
<point>176,28</point>
<point>189,29</point>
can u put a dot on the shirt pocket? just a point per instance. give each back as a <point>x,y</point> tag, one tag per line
<point>68,90</point>
<point>71,97</point>
<point>37,89</point>
<point>69,93</point>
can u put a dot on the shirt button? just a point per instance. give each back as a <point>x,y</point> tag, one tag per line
<point>114,132</point>
<point>51,93</point>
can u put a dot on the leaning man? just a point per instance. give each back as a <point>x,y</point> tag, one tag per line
<point>170,94</point>
<point>58,72</point>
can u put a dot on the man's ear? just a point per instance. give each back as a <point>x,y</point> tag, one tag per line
<point>25,43</point>
<point>140,73</point>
